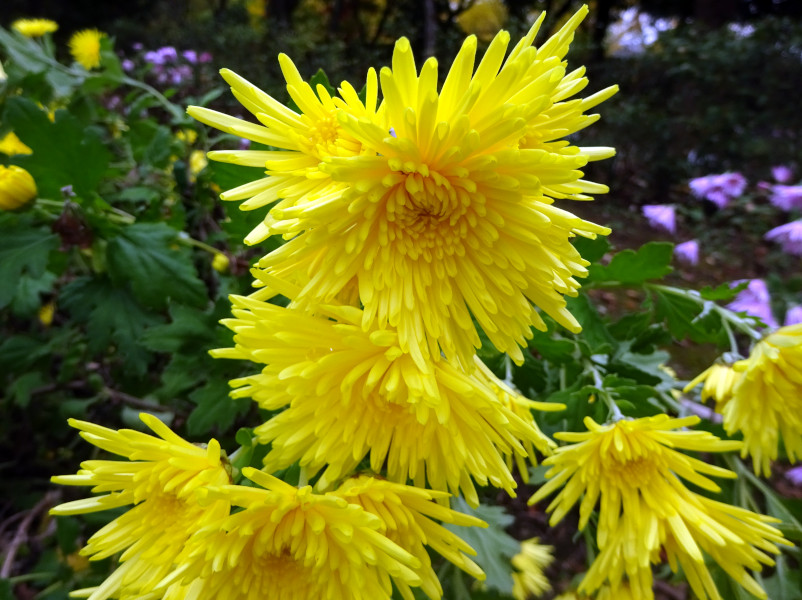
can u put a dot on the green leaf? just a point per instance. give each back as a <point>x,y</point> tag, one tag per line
<point>724,292</point>
<point>592,250</point>
<point>113,318</point>
<point>215,410</point>
<point>594,331</point>
<point>65,152</point>
<point>18,352</point>
<point>145,254</point>
<point>190,330</point>
<point>650,261</point>
<point>20,390</point>
<point>684,318</point>
<point>494,546</point>
<point>27,298</point>
<point>22,250</point>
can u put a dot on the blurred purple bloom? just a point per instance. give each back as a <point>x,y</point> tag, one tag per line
<point>719,189</point>
<point>794,475</point>
<point>137,46</point>
<point>687,252</point>
<point>782,174</point>
<point>793,315</point>
<point>180,73</point>
<point>786,197</point>
<point>754,300</point>
<point>789,236</point>
<point>128,65</point>
<point>205,57</point>
<point>244,143</point>
<point>190,56</point>
<point>660,216</point>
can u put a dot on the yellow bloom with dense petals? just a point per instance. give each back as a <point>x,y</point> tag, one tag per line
<point>528,579</point>
<point>161,479</point>
<point>17,187</point>
<point>766,402</point>
<point>634,469</point>
<point>408,514</point>
<point>11,145</point>
<point>292,544</point>
<point>437,207</point>
<point>34,27</point>
<point>85,47</point>
<point>350,394</point>
<point>719,382</point>
<point>447,215</point>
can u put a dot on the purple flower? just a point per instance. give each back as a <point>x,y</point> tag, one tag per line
<point>786,197</point>
<point>137,46</point>
<point>789,236</point>
<point>794,475</point>
<point>754,300</point>
<point>190,56</point>
<point>205,57</point>
<point>244,143</point>
<point>181,73</point>
<point>719,189</point>
<point>687,252</point>
<point>661,216</point>
<point>793,315</point>
<point>128,65</point>
<point>168,53</point>
<point>782,174</point>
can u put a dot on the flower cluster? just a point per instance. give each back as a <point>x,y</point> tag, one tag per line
<point>719,189</point>
<point>412,224</point>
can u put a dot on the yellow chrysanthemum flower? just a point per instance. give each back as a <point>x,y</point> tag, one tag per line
<point>292,544</point>
<point>719,382</point>
<point>634,468</point>
<point>528,579</point>
<point>161,479</point>
<point>34,27</point>
<point>351,394</point>
<point>484,18</point>
<point>408,513</point>
<point>767,399</point>
<point>197,163</point>
<point>11,145</point>
<point>437,202</point>
<point>85,47</point>
<point>17,187</point>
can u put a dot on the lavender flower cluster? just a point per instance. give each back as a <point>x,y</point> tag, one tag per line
<point>721,190</point>
<point>169,66</point>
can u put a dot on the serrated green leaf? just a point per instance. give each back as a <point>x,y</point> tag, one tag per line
<point>18,352</point>
<point>22,250</point>
<point>113,318</point>
<point>682,316</point>
<point>724,292</point>
<point>20,390</point>
<point>591,250</point>
<point>650,261</point>
<point>145,255</point>
<point>65,152</point>
<point>594,331</point>
<point>215,409</point>
<point>494,546</point>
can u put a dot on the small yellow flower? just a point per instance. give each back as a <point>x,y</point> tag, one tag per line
<point>220,262</point>
<point>720,380</point>
<point>528,579</point>
<point>85,47</point>
<point>197,163</point>
<point>46,313</point>
<point>17,187</point>
<point>188,136</point>
<point>162,479</point>
<point>11,144</point>
<point>34,27</point>
<point>635,470</point>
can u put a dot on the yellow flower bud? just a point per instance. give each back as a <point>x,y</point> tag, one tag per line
<point>46,313</point>
<point>17,187</point>
<point>220,262</point>
<point>34,27</point>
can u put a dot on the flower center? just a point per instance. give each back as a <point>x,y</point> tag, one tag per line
<point>323,135</point>
<point>636,473</point>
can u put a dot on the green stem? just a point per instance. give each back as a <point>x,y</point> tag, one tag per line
<point>598,382</point>
<point>189,241</point>
<point>303,478</point>
<point>176,112</point>
<point>728,317</point>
